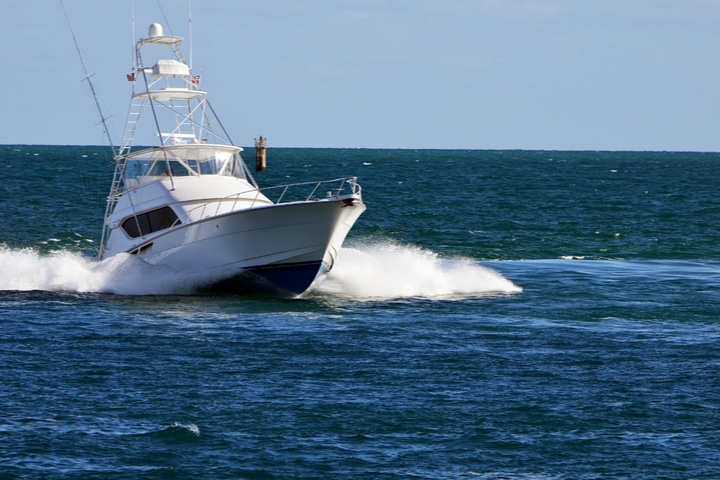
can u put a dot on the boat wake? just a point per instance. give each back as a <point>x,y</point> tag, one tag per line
<point>388,270</point>
<point>376,271</point>
<point>65,271</point>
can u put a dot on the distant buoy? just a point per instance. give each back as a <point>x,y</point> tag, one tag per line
<point>155,30</point>
<point>260,149</point>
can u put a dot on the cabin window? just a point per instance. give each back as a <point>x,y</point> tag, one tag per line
<point>150,222</point>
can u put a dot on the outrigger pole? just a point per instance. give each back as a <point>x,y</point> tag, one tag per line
<point>103,121</point>
<point>88,77</point>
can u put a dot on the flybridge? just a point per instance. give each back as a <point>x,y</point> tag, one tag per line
<point>172,95</point>
<point>170,68</point>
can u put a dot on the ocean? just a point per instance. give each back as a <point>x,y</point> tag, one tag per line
<point>492,315</point>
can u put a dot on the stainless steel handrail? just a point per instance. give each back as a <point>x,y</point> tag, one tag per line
<point>343,184</point>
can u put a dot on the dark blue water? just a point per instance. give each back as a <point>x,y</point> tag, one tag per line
<point>494,315</point>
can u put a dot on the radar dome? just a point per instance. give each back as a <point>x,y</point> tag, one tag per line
<point>155,30</point>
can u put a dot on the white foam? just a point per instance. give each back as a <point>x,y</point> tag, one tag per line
<point>64,271</point>
<point>376,271</point>
<point>190,427</point>
<point>388,270</point>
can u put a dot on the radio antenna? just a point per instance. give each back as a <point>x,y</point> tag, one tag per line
<point>132,32</point>
<point>190,32</point>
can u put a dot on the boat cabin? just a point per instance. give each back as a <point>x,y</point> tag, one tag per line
<point>157,163</point>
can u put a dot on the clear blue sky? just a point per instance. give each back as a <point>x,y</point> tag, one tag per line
<point>475,74</point>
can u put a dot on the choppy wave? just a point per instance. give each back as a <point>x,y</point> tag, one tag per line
<point>376,271</point>
<point>177,432</point>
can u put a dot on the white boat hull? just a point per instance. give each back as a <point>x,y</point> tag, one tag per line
<point>279,249</point>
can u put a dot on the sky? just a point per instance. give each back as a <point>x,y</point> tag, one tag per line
<point>446,74</point>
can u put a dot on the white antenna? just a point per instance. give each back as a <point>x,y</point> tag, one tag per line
<point>190,32</point>
<point>132,32</point>
<point>103,119</point>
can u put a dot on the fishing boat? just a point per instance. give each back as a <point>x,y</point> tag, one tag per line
<point>190,203</point>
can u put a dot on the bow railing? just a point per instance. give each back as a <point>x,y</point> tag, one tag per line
<point>277,194</point>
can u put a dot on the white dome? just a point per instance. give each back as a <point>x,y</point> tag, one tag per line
<point>155,30</point>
